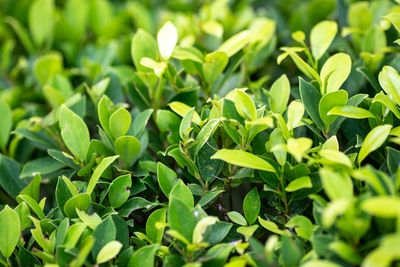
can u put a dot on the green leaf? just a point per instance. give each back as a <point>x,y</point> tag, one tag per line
<point>181,192</point>
<point>155,225</point>
<point>382,206</point>
<point>244,105</point>
<point>33,188</point>
<point>374,139</point>
<point>167,37</point>
<point>105,232</point>
<point>271,226</point>
<point>247,231</point>
<point>394,18</point>
<point>6,123</point>
<point>11,230</point>
<point>33,205</point>
<point>47,66</point>
<point>280,92</point>
<point>98,172</point>
<point>90,220</point>
<point>236,217</point>
<point>41,20</point>
<point>243,159</point>
<point>73,234</point>
<point>128,148</point>
<point>345,251</point>
<point>235,43</point>
<point>335,72</point>
<point>213,66</point>
<point>42,166</point>
<point>105,108</point>
<point>144,256</point>
<point>251,206</point>
<point>109,251</point>
<point>119,122</point>
<point>80,202</point>
<point>181,218</point>
<point>119,190</point>
<point>143,45</point>
<point>299,183</point>
<point>166,178</point>
<point>201,228</point>
<point>388,102</point>
<point>74,133</point>
<point>330,100</point>
<point>389,79</point>
<point>351,112</point>
<point>311,98</point>
<point>303,226</point>
<point>336,185</point>
<point>182,109</point>
<point>205,133</point>
<point>321,37</point>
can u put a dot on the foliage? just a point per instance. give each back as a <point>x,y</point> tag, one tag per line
<point>199,133</point>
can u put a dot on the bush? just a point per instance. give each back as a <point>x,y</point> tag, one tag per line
<point>199,133</point>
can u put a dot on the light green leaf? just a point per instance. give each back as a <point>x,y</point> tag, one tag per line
<point>336,185</point>
<point>144,256</point>
<point>382,206</point>
<point>271,226</point>
<point>280,92</point>
<point>41,20</point>
<point>388,102</point>
<point>247,231</point>
<point>80,202</point>
<point>244,105</point>
<point>389,79</point>
<point>394,18</point>
<point>336,157</point>
<point>243,159</point>
<point>302,225</point>
<point>47,66</point>
<point>236,217</point>
<point>166,178</point>
<point>330,100</point>
<point>335,72</point>
<point>74,133</point>
<point>181,109</point>
<point>98,172</point>
<point>351,112</point>
<point>235,43</point>
<point>214,64</point>
<point>128,148</point>
<point>155,225</point>
<point>109,251</point>
<point>181,192</point>
<point>119,190</point>
<point>321,37</point>
<point>167,37</point>
<point>181,218</point>
<point>299,183</point>
<point>374,139</point>
<point>11,230</point>
<point>119,122</point>
<point>90,220</point>
<point>332,144</point>
<point>143,45</point>
<point>205,133</point>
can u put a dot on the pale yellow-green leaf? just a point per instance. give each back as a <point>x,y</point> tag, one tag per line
<point>295,114</point>
<point>297,147</point>
<point>321,37</point>
<point>271,226</point>
<point>280,93</point>
<point>243,159</point>
<point>167,37</point>
<point>389,79</point>
<point>235,43</point>
<point>335,72</point>
<point>382,206</point>
<point>336,185</point>
<point>109,251</point>
<point>336,157</point>
<point>332,143</point>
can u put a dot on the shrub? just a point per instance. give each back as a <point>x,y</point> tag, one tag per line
<point>199,133</point>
